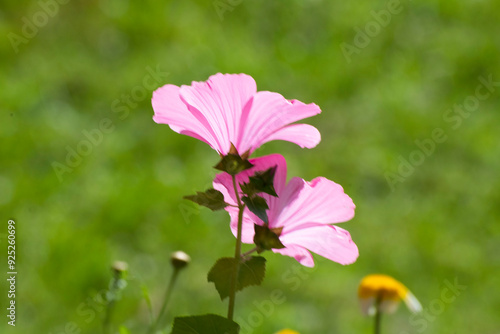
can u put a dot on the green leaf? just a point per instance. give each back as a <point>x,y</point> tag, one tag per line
<point>211,198</point>
<point>233,164</point>
<point>264,181</point>
<point>266,238</point>
<point>251,272</point>
<point>258,206</point>
<point>221,274</point>
<point>205,324</point>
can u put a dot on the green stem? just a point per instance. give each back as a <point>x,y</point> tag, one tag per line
<point>237,253</point>
<point>253,250</point>
<point>378,314</point>
<point>168,295</point>
<point>106,325</point>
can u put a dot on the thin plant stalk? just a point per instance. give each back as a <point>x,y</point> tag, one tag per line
<point>378,314</point>
<point>251,251</point>
<point>106,324</point>
<point>166,300</point>
<point>237,254</point>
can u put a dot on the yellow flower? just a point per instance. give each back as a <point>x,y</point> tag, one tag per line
<point>386,292</point>
<point>287,331</point>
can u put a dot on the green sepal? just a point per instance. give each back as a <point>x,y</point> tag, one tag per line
<point>211,198</point>
<point>266,238</point>
<point>258,206</point>
<point>264,181</point>
<point>233,164</point>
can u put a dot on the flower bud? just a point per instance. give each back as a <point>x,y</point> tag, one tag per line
<point>119,267</point>
<point>179,259</point>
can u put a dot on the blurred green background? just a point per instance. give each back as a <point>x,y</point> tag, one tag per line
<point>66,67</point>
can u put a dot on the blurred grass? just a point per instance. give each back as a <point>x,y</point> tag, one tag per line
<point>124,201</point>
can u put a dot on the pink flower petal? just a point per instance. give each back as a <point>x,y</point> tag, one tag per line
<point>331,242</point>
<point>269,113</point>
<point>228,109</point>
<point>220,102</point>
<point>247,231</point>
<point>304,135</point>
<point>319,201</point>
<point>303,209</point>
<point>224,183</point>
<point>169,109</point>
<point>298,253</point>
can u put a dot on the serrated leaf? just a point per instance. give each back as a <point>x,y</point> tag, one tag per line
<point>264,181</point>
<point>233,164</point>
<point>251,272</point>
<point>205,324</point>
<point>258,206</point>
<point>211,198</point>
<point>266,238</point>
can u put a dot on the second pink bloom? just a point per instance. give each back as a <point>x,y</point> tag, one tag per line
<point>305,211</point>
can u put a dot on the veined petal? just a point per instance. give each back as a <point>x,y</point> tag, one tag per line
<point>304,135</point>
<point>169,109</point>
<point>268,113</point>
<point>331,242</point>
<point>319,201</point>
<point>220,102</point>
<point>298,253</point>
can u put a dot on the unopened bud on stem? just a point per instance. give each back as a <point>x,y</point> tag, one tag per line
<point>179,259</point>
<point>119,267</point>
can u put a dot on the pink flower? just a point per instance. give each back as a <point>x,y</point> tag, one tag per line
<point>228,109</point>
<point>305,211</point>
